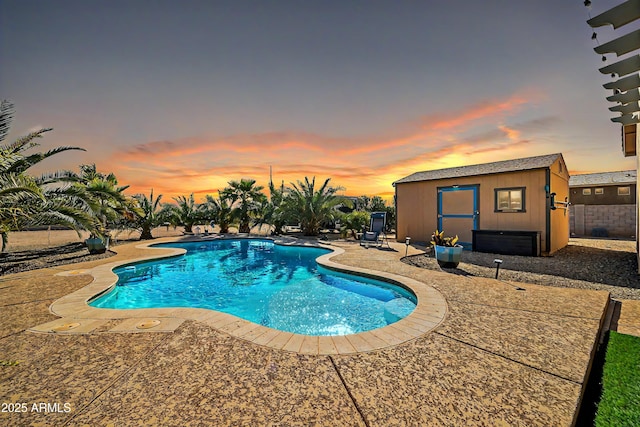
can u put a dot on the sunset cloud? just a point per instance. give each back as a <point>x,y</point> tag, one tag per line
<point>361,164</point>
<point>512,134</point>
<point>220,98</point>
<point>253,143</point>
<point>476,112</point>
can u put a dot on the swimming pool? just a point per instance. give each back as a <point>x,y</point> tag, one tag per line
<point>281,287</point>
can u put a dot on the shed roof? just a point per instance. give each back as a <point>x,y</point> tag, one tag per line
<point>528,163</point>
<point>603,178</point>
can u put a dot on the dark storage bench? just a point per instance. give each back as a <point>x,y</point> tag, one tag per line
<point>507,242</point>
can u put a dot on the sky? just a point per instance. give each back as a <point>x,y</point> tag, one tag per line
<point>184,96</point>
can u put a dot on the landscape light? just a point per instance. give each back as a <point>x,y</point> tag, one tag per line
<point>498,262</point>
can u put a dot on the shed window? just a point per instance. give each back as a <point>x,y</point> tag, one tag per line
<point>624,191</point>
<point>510,199</point>
<point>586,191</point>
<point>599,191</point>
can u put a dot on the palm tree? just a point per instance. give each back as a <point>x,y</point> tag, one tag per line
<point>208,209</point>
<point>186,213</point>
<point>272,211</point>
<point>105,197</point>
<point>276,213</point>
<point>246,199</point>
<point>65,205</point>
<point>148,215</point>
<point>353,222</point>
<point>371,204</point>
<point>377,204</point>
<point>312,208</point>
<point>391,217</point>
<point>16,193</point>
<point>25,200</point>
<point>219,210</point>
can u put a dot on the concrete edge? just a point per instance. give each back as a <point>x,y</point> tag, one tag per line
<point>430,312</point>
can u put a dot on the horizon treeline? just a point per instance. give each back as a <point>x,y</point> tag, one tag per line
<point>96,202</point>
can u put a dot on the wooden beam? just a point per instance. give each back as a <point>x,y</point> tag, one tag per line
<point>617,16</point>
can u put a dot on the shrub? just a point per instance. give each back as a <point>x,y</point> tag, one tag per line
<point>354,222</point>
<point>438,238</point>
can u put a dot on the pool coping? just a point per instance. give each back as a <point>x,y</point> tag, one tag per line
<point>431,308</point>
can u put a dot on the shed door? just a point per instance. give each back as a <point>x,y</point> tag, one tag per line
<point>458,212</point>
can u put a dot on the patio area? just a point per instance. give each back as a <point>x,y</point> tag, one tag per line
<point>501,356</point>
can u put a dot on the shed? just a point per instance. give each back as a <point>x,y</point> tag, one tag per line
<point>513,206</point>
<point>603,203</point>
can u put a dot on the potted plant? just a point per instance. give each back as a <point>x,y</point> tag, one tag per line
<point>448,252</point>
<point>97,244</point>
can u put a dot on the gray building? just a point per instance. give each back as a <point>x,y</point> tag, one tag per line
<point>603,204</point>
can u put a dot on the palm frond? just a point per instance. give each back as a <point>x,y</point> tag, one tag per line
<point>58,176</point>
<point>6,117</point>
<point>16,184</point>
<point>33,159</point>
<point>25,142</point>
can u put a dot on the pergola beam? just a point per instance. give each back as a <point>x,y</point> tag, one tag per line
<point>624,67</point>
<point>629,108</point>
<point>618,16</point>
<point>621,45</point>
<point>626,119</point>
<point>624,84</point>
<point>625,97</point>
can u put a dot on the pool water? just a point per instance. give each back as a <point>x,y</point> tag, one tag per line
<point>280,287</point>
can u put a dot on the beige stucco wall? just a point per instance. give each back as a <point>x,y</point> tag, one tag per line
<point>417,205</point>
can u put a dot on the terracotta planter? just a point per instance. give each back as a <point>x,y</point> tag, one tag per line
<point>448,256</point>
<point>97,245</point>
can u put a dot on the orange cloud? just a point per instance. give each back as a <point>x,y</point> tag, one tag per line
<point>251,143</point>
<point>580,172</point>
<point>434,126</point>
<point>512,134</point>
<point>476,112</point>
<point>364,165</point>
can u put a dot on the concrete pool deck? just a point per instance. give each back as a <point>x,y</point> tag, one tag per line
<point>78,317</point>
<point>501,356</point>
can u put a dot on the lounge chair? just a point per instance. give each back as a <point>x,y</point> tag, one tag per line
<point>375,235</point>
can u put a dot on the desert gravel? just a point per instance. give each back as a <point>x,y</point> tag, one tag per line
<point>602,264</point>
<point>26,260</point>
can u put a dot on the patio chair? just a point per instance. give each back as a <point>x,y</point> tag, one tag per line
<point>375,234</point>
